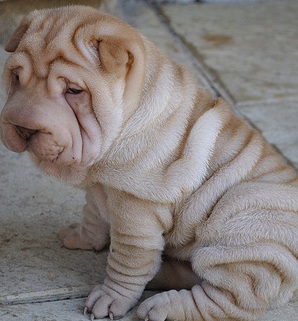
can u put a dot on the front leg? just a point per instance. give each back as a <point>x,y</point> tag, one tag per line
<point>134,258</point>
<point>93,232</point>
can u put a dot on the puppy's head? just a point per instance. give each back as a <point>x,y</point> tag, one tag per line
<point>74,77</point>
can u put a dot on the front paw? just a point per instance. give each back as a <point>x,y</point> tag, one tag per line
<point>104,302</point>
<point>76,237</point>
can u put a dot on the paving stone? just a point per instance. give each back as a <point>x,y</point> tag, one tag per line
<point>3,56</point>
<point>33,209</point>
<point>66,310</point>
<point>250,50</point>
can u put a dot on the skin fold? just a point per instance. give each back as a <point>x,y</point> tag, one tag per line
<point>189,198</point>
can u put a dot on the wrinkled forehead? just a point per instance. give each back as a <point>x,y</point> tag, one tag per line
<point>46,41</point>
<point>67,36</point>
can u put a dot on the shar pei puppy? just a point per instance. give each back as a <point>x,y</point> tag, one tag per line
<point>179,186</point>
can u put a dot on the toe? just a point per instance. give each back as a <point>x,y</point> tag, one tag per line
<point>119,308</point>
<point>101,308</point>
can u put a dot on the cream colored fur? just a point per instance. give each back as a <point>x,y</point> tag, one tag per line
<point>169,171</point>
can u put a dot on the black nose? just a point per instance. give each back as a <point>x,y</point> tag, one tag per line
<point>25,133</point>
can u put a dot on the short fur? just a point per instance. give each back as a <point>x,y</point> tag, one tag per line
<point>168,170</point>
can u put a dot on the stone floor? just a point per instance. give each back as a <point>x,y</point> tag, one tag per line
<point>246,53</point>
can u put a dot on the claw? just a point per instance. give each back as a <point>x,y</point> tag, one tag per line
<point>111,315</point>
<point>85,311</point>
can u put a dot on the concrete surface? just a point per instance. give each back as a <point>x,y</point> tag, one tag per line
<point>245,52</point>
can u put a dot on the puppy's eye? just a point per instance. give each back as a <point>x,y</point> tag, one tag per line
<point>74,91</point>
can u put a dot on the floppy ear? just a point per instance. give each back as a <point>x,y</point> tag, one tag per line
<point>15,39</point>
<point>114,56</point>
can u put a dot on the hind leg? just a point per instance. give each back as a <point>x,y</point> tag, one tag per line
<point>240,283</point>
